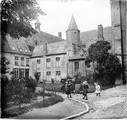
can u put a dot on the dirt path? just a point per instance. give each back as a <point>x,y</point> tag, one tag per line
<point>111,105</point>
<point>57,111</point>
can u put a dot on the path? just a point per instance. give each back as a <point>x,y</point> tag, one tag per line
<point>57,111</point>
<point>111,104</point>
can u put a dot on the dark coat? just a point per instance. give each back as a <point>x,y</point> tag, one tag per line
<point>85,89</point>
<point>69,88</point>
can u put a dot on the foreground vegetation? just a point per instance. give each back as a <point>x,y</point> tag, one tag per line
<point>15,111</point>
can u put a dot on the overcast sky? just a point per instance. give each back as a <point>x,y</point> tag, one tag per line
<point>87,13</point>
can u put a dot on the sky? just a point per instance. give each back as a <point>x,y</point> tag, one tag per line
<point>88,15</point>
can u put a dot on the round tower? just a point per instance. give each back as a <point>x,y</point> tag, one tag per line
<point>72,33</point>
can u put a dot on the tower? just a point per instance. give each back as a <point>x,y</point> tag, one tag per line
<point>72,33</point>
<point>119,28</point>
<point>37,25</point>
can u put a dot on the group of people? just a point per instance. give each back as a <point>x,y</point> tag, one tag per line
<point>69,89</point>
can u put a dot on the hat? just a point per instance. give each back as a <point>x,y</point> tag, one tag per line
<point>85,83</point>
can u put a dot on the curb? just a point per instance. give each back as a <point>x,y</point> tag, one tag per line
<point>78,114</point>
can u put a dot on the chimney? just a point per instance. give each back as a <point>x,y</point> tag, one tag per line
<point>37,25</point>
<point>100,33</point>
<point>60,34</point>
<point>45,49</point>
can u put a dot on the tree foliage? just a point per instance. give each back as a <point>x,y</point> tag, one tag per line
<point>16,17</point>
<point>17,90</point>
<point>108,64</point>
<point>36,75</point>
<point>4,64</point>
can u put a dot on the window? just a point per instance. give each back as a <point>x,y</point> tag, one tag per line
<point>76,66</point>
<point>16,73</point>
<point>58,72</point>
<point>20,49</point>
<point>22,73</point>
<point>16,60</point>
<point>13,48</point>
<point>22,61</point>
<point>39,74</point>
<point>38,61</point>
<point>48,73</point>
<point>27,61</point>
<point>26,50</point>
<point>48,62</point>
<point>57,61</point>
<point>58,77</point>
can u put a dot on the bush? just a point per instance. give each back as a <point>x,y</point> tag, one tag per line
<point>6,90</point>
<point>79,78</point>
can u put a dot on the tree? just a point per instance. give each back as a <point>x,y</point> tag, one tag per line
<point>16,17</point>
<point>108,65</point>
<point>37,76</point>
<point>4,64</point>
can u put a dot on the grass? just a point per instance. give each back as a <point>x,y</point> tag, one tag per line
<point>53,99</point>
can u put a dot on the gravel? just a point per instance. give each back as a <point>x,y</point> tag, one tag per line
<point>111,105</point>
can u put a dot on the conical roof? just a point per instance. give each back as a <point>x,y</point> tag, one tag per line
<point>72,25</point>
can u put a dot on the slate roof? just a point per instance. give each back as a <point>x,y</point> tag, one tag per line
<point>90,37</point>
<point>52,48</point>
<point>42,38</point>
<point>72,25</point>
<point>16,46</point>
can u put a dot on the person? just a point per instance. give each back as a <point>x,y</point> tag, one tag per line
<point>85,89</point>
<point>69,89</point>
<point>63,88</point>
<point>97,89</point>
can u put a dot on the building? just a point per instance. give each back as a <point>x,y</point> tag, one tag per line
<point>119,28</point>
<point>63,58</point>
<point>55,58</point>
<point>18,54</point>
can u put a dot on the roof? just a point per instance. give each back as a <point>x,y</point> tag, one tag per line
<point>42,38</point>
<point>52,48</point>
<point>90,37</point>
<point>16,46</point>
<point>72,25</point>
<point>80,55</point>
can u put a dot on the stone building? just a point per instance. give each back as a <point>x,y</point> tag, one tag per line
<point>18,54</point>
<point>53,57</point>
<point>59,59</point>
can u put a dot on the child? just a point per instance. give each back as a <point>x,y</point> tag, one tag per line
<point>69,89</point>
<point>85,90</point>
<point>98,89</point>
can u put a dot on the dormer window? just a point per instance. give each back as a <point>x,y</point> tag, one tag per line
<point>26,50</point>
<point>20,49</point>
<point>13,48</point>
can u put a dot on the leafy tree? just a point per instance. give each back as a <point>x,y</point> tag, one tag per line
<point>108,64</point>
<point>4,64</point>
<point>16,17</point>
<point>37,77</point>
